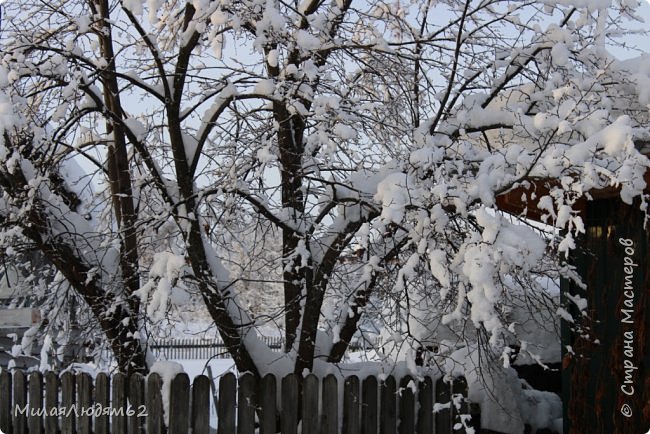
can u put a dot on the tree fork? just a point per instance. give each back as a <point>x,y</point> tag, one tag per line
<point>216,303</point>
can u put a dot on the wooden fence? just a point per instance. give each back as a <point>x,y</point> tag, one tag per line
<point>201,348</point>
<point>75,404</point>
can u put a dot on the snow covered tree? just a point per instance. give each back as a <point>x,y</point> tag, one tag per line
<point>348,152</point>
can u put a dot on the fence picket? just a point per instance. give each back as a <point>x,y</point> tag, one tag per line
<point>351,402</point>
<point>155,424</point>
<point>406,406</point>
<point>6,386</point>
<point>425,412</point>
<point>458,387</point>
<point>84,403</point>
<point>475,412</point>
<point>52,386</point>
<point>267,397</point>
<point>443,398</point>
<point>20,403</point>
<point>310,421</point>
<point>369,409</point>
<point>102,401</point>
<point>388,423</point>
<point>35,420</point>
<point>289,419</point>
<point>246,403</point>
<point>226,404</point>
<point>200,405</point>
<point>179,404</point>
<point>118,421</point>
<point>136,399</point>
<point>68,400</point>
<point>330,398</point>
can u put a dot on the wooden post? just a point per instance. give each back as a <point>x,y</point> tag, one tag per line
<point>226,403</point>
<point>443,417</point>
<point>35,421</point>
<point>102,401</point>
<point>330,398</point>
<point>369,413</point>
<point>136,400</point>
<point>155,420</point>
<point>246,403</point>
<point>179,401</point>
<point>459,391</point>
<point>68,401</point>
<point>475,413</point>
<point>425,412</point>
<point>388,423</point>
<point>119,401</point>
<point>290,399</point>
<point>267,396</point>
<point>20,403</point>
<point>310,422</point>
<point>200,405</point>
<point>406,406</point>
<point>6,407</point>
<point>84,403</point>
<point>351,403</point>
<point>52,386</point>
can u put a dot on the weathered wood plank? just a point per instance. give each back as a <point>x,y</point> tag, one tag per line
<point>475,414</point>
<point>6,402</point>
<point>68,400</point>
<point>84,403</point>
<point>119,401</point>
<point>406,406</point>
<point>102,401</point>
<point>226,405</point>
<point>351,403</point>
<point>179,401</point>
<point>246,402</point>
<point>201,405</point>
<point>459,405</point>
<point>425,412</point>
<point>388,424</point>
<point>155,420</point>
<point>330,398</point>
<point>310,422</point>
<point>443,416</point>
<point>267,395</point>
<point>290,397</point>
<point>52,386</point>
<point>35,420</point>
<point>20,403</point>
<point>468,416</point>
<point>136,400</point>
<point>369,408</point>
<point>360,407</point>
<point>613,260</point>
